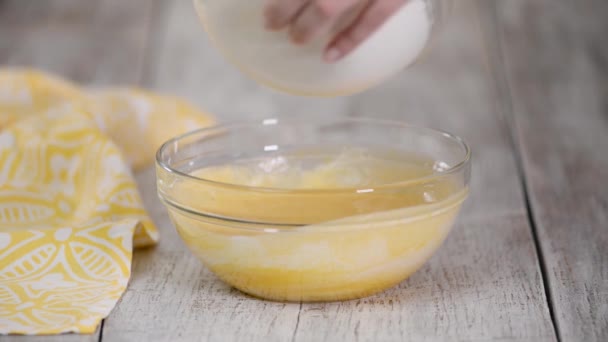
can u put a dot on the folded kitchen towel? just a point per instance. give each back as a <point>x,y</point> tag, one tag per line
<point>70,213</point>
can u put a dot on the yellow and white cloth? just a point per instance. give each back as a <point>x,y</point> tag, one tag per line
<point>70,213</point>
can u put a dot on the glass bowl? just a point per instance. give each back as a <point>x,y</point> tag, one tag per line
<point>236,28</point>
<point>363,225</point>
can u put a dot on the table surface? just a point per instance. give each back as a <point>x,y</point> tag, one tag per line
<point>524,82</point>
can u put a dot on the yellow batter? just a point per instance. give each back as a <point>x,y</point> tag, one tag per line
<point>381,220</point>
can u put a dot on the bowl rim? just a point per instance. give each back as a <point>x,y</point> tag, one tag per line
<point>463,162</point>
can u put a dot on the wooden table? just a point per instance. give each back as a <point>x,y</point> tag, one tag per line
<point>524,82</point>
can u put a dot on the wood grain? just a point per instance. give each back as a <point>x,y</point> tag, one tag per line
<point>484,284</point>
<point>556,68</point>
<point>93,42</point>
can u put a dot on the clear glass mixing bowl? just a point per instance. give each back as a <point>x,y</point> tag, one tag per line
<point>236,28</point>
<point>312,244</point>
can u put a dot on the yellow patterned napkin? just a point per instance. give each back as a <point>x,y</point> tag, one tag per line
<point>70,212</point>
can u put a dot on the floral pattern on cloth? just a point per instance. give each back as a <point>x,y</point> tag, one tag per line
<point>70,212</point>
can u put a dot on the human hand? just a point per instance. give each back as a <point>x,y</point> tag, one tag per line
<point>307,19</point>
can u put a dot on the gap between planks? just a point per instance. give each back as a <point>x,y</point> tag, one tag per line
<point>489,18</point>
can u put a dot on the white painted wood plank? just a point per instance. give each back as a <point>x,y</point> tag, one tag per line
<point>556,63</point>
<point>93,42</point>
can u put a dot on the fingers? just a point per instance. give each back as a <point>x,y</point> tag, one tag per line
<point>311,22</point>
<point>306,21</point>
<point>280,13</point>
<point>369,21</point>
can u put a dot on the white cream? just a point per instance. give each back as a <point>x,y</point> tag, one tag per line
<point>237,28</point>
